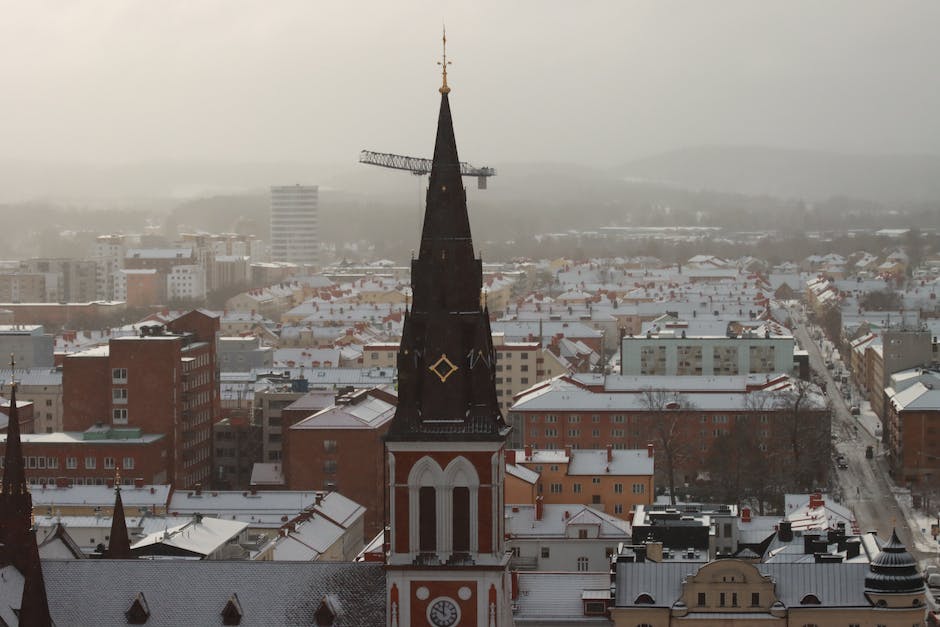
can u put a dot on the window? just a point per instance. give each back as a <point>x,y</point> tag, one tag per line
<point>119,415</point>
<point>109,463</point>
<point>128,463</point>
<point>52,462</point>
<point>721,599</point>
<point>119,395</point>
<point>329,446</point>
<point>546,552</point>
<point>524,380</point>
<point>427,519</point>
<point>582,534</point>
<point>755,599</point>
<point>71,463</point>
<point>582,564</point>
<point>555,488</point>
<point>618,488</point>
<point>48,402</point>
<point>595,499</point>
<point>595,480</point>
<point>90,462</point>
<point>40,462</point>
<point>574,418</point>
<point>553,467</point>
<point>329,466</point>
<point>119,375</point>
<point>639,488</point>
<point>734,599</point>
<point>576,488</point>
<point>461,519</point>
<point>524,368</point>
<point>574,433</point>
<point>727,530</point>
<point>701,599</point>
<point>618,508</point>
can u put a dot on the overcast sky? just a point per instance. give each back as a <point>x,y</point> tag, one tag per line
<point>594,82</point>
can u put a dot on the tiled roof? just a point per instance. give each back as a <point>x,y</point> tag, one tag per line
<point>195,592</point>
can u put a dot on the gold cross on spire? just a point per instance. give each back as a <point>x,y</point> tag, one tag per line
<point>444,63</point>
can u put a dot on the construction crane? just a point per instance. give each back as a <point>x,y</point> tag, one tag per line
<point>419,166</point>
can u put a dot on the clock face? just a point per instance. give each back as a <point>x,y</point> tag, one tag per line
<point>443,612</point>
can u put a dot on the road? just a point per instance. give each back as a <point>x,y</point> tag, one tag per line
<point>865,485</point>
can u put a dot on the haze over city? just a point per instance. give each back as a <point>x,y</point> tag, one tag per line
<point>305,86</point>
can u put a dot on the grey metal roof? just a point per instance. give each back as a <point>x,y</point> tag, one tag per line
<point>181,592</point>
<point>557,597</point>
<point>836,585</point>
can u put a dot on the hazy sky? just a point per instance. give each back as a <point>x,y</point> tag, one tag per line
<point>595,82</point>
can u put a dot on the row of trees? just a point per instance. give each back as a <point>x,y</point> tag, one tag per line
<point>779,444</point>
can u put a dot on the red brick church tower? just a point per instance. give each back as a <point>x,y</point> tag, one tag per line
<point>447,563</point>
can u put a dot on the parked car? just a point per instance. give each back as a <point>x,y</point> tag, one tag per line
<point>841,462</point>
<point>870,452</point>
<point>933,581</point>
<point>855,410</point>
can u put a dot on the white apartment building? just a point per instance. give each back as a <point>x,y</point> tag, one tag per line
<point>186,282</point>
<point>673,353</point>
<point>294,223</point>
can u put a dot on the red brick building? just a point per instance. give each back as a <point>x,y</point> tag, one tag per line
<point>340,448</point>
<point>91,457</point>
<point>162,381</point>
<point>591,411</point>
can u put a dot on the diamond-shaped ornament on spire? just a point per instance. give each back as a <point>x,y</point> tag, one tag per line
<point>443,368</point>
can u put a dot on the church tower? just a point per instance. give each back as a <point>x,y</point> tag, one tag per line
<point>446,563</point>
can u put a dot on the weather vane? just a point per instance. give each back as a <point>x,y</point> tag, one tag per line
<point>444,63</point>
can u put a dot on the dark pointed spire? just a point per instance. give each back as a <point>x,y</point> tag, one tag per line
<point>446,381</point>
<point>16,503</point>
<point>119,544</point>
<point>34,606</point>
<point>14,471</point>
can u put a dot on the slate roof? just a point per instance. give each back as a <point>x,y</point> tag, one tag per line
<point>195,592</point>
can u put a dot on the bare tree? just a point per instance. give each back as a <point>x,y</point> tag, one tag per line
<point>804,427</point>
<point>668,417</point>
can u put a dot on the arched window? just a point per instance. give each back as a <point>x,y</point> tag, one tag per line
<point>644,599</point>
<point>810,599</point>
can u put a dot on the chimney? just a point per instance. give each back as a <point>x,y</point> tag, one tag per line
<point>785,531</point>
<point>511,456</point>
<point>649,449</point>
<point>568,451</point>
<point>198,489</point>
<point>538,508</point>
<point>815,500</point>
<point>745,514</point>
<point>610,453</point>
<point>528,451</point>
<point>139,482</point>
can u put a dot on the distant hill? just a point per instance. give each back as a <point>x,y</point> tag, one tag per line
<point>786,173</point>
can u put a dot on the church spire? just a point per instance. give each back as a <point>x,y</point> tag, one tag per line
<point>444,386</point>
<point>119,544</point>
<point>16,503</point>
<point>14,473</point>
